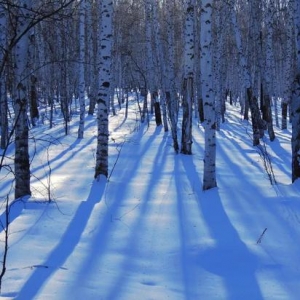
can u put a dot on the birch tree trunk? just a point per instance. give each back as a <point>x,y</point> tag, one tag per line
<point>150,79</point>
<point>3,115</point>
<point>247,80</point>
<point>81,84</point>
<point>33,80</point>
<point>64,83</point>
<point>106,39</point>
<point>188,81</point>
<point>289,63</point>
<point>94,45</point>
<point>209,176</point>
<point>160,104</point>
<point>267,72</point>
<point>218,63</point>
<point>22,165</point>
<point>171,99</point>
<point>296,101</point>
<point>3,98</point>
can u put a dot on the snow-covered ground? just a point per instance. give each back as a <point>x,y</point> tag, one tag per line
<point>150,232</point>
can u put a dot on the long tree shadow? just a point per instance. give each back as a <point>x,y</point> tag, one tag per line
<point>69,152</point>
<point>229,258</point>
<point>118,189</point>
<point>157,170</point>
<point>187,275</point>
<point>283,158</point>
<point>66,246</point>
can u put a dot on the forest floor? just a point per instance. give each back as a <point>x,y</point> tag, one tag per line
<point>150,232</point>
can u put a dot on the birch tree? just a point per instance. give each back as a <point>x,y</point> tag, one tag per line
<point>159,102</point>
<point>3,98</point>
<point>219,57</point>
<point>106,39</point>
<point>20,26</point>
<point>296,101</point>
<point>81,83</point>
<point>22,164</point>
<point>150,85</point>
<point>246,78</point>
<point>267,70</point>
<point>209,176</point>
<point>289,59</point>
<point>171,98</point>
<point>64,89</point>
<point>93,42</point>
<point>187,99</point>
<point>33,62</point>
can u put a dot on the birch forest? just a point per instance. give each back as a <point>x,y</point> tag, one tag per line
<point>179,57</point>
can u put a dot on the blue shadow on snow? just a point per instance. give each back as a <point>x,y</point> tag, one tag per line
<point>66,246</point>
<point>229,258</point>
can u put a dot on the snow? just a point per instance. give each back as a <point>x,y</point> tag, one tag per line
<point>150,232</point>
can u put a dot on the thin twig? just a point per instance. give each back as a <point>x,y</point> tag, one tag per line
<point>261,236</point>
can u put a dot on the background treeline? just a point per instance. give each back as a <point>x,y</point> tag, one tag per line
<point>191,55</point>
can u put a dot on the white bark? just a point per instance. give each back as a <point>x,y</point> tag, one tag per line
<point>189,40</point>
<point>106,39</point>
<point>150,85</point>
<point>160,66</point>
<point>81,81</point>
<point>187,100</point>
<point>209,176</point>
<point>171,98</point>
